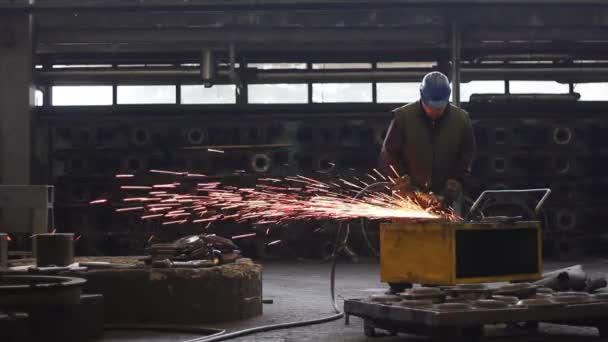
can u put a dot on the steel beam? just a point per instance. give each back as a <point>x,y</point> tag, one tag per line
<point>191,4</point>
<point>253,76</point>
<point>16,103</point>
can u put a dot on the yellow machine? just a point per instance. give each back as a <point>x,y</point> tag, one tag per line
<point>441,252</point>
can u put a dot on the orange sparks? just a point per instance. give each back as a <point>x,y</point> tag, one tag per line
<point>165,186</point>
<point>214,150</point>
<point>54,231</point>
<point>124,175</point>
<point>281,200</point>
<point>395,171</point>
<point>175,173</point>
<point>8,238</point>
<point>274,242</point>
<point>98,201</point>
<point>145,217</point>
<point>151,238</point>
<point>244,236</point>
<point>77,238</point>
<point>174,222</point>
<point>119,210</point>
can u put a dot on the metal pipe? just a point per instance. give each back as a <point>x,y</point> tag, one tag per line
<point>455,63</point>
<point>484,194</point>
<point>255,76</point>
<point>207,68</point>
<point>524,57</point>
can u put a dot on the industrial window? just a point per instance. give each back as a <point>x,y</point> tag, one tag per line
<point>218,94</point>
<point>404,65</point>
<point>38,98</point>
<point>480,87</point>
<point>82,95</point>
<point>278,93</point>
<point>78,66</point>
<point>342,66</point>
<point>403,92</point>
<point>153,94</point>
<point>267,66</point>
<point>537,87</point>
<point>341,92</point>
<point>592,91</point>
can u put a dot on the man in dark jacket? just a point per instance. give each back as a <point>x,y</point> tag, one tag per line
<point>430,142</point>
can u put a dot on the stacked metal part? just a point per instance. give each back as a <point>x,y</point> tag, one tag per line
<point>519,146</point>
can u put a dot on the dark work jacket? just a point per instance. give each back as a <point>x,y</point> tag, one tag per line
<point>429,152</point>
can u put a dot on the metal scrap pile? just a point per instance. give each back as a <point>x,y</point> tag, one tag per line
<point>193,251</point>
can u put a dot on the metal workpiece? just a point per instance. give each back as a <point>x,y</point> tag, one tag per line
<point>25,291</point>
<point>53,249</point>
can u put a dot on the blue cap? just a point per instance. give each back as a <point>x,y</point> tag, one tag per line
<point>435,90</point>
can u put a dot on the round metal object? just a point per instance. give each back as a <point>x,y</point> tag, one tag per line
<point>453,307</point>
<point>472,286</point>
<point>541,296</point>
<point>17,291</point>
<point>544,290</point>
<point>600,297</point>
<point>469,292</point>
<point>260,163</point>
<point>562,135</point>
<point>571,294</point>
<point>538,303</point>
<point>141,136</point>
<point>490,304</point>
<point>572,299</point>
<point>521,290</point>
<point>424,291</point>
<point>415,304</point>
<point>384,298</point>
<point>53,249</point>
<point>562,164</point>
<point>499,164</point>
<point>511,300</point>
<point>195,136</point>
<point>565,220</point>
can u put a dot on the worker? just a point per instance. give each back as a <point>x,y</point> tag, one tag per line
<point>430,145</point>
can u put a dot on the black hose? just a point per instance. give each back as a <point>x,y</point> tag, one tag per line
<point>338,312</point>
<point>208,332</point>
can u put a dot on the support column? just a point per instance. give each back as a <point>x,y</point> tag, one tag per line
<point>456,46</point>
<point>16,103</point>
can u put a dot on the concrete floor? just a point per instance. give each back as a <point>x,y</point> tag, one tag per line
<point>301,291</point>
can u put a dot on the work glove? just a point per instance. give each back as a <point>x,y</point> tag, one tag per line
<point>452,191</point>
<point>403,186</point>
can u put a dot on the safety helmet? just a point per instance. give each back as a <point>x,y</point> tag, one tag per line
<point>435,90</point>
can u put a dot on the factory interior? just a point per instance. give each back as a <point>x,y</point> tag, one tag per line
<point>303,170</point>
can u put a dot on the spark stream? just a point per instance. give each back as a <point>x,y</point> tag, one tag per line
<point>274,200</point>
